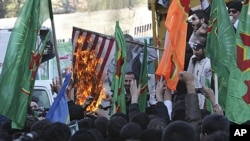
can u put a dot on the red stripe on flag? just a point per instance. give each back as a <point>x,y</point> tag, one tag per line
<point>107,55</point>
<point>103,45</point>
<point>87,39</point>
<point>95,43</point>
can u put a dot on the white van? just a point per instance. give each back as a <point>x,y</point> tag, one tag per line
<point>43,93</point>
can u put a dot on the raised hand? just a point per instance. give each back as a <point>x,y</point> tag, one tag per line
<point>159,91</point>
<point>55,85</point>
<point>134,91</point>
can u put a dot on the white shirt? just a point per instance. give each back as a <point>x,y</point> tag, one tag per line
<point>236,23</point>
<point>201,71</point>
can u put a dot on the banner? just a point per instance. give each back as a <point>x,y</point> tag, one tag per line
<point>172,61</point>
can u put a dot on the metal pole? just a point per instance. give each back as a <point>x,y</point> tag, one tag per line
<point>141,45</point>
<point>56,51</point>
<point>153,22</point>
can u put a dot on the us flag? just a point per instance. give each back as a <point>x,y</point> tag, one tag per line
<point>103,45</point>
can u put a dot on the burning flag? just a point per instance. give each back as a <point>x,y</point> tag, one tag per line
<point>92,53</point>
<point>103,44</point>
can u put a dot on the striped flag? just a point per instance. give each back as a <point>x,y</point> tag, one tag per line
<point>103,45</point>
<point>172,61</point>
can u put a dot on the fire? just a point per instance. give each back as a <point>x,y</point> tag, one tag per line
<point>86,81</point>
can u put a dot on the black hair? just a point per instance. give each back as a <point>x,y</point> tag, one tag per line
<point>215,122</point>
<point>200,14</point>
<point>179,131</point>
<point>218,136</point>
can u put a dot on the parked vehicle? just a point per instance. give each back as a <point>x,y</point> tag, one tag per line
<point>42,89</point>
<point>43,93</point>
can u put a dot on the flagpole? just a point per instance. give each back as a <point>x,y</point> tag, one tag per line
<point>216,88</point>
<point>56,51</point>
<point>141,45</point>
<point>153,22</point>
<point>55,42</point>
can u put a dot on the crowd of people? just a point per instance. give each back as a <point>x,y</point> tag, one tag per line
<point>174,118</point>
<point>177,116</point>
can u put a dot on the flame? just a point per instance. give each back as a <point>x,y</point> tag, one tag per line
<point>87,83</point>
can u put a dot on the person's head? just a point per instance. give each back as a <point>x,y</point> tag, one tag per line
<point>212,123</point>
<point>33,105</point>
<point>129,76</point>
<point>218,136</point>
<point>130,131</point>
<point>199,50</point>
<point>141,118</point>
<point>97,134</point>
<point>179,131</point>
<point>40,125</point>
<point>151,135</point>
<point>120,114</point>
<point>83,134</point>
<point>56,131</point>
<point>197,19</point>
<point>157,123</point>
<point>101,124</point>
<point>234,9</point>
<point>114,126</point>
<point>86,123</point>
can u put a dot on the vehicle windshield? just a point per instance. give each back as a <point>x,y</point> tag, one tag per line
<point>42,98</point>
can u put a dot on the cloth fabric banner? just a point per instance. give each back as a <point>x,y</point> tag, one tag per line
<point>238,94</point>
<point>220,46</point>
<point>119,104</point>
<point>59,111</point>
<point>22,61</point>
<point>103,44</point>
<point>172,61</point>
<point>142,101</point>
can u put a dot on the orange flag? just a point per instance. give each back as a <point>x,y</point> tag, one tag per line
<point>172,61</point>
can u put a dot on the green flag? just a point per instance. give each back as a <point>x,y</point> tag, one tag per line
<point>119,104</point>
<point>22,61</point>
<point>238,96</point>
<point>220,44</point>
<point>142,101</point>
